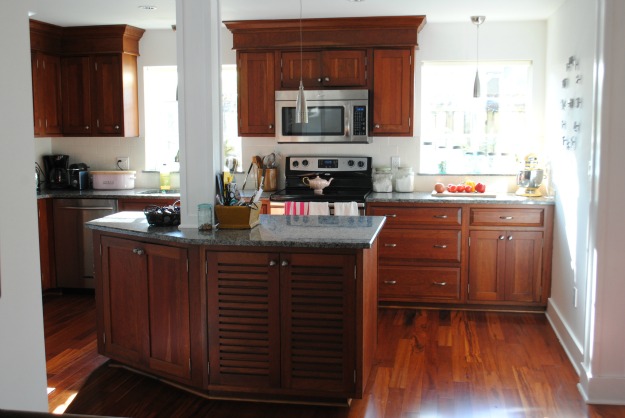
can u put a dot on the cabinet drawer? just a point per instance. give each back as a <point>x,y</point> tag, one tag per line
<point>428,244</point>
<point>396,215</point>
<point>419,282</point>
<point>507,217</point>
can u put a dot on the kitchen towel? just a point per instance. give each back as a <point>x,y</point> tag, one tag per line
<point>318,208</point>
<point>345,209</point>
<point>296,208</point>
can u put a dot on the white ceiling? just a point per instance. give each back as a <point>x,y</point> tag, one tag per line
<point>98,12</point>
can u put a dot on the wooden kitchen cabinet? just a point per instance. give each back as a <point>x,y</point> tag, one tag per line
<point>392,98</point>
<point>322,69</point>
<point>144,304</point>
<point>509,255</point>
<point>505,266</point>
<point>100,94</point>
<point>282,321</point>
<point>471,255</point>
<point>46,244</point>
<point>256,99</point>
<point>46,79</point>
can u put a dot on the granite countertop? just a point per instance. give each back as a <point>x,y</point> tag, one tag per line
<point>426,197</point>
<point>117,194</point>
<point>273,231</point>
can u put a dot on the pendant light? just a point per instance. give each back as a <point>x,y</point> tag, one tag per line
<point>301,109</point>
<point>477,21</point>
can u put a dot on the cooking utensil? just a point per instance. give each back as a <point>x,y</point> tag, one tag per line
<point>248,173</point>
<point>269,161</point>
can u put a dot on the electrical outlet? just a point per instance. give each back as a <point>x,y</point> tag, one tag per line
<point>123,163</point>
<point>395,162</point>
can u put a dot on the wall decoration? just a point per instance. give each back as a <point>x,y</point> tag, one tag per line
<point>570,105</point>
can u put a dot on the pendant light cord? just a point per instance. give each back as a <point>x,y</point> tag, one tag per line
<point>301,40</point>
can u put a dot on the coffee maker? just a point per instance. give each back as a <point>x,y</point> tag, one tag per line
<point>56,171</point>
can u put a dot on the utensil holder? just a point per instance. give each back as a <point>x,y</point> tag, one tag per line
<point>271,179</point>
<point>237,217</point>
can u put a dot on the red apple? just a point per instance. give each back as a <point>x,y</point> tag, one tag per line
<point>480,187</point>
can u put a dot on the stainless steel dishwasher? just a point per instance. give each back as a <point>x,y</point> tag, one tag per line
<point>73,243</point>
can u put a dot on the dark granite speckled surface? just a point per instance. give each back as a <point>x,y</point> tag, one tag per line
<point>273,231</point>
<point>426,197</point>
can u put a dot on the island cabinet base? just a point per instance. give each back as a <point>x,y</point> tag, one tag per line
<point>246,323</point>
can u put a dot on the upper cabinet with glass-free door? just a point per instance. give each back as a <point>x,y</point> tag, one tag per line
<point>332,53</point>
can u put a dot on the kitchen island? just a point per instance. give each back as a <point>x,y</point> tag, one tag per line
<point>285,311</point>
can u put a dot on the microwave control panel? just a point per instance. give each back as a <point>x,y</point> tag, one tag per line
<point>359,116</point>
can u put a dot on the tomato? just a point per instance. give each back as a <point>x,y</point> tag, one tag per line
<point>480,187</point>
<point>460,188</point>
<point>439,187</point>
<point>468,188</point>
<point>451,188</point>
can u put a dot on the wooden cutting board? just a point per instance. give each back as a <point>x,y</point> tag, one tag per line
<point>463,194</point>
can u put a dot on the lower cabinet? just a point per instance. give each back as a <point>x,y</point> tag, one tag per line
<point>505,266</point>
<point>282,321</point>
<point>143,304</point>
<point>46,243</point>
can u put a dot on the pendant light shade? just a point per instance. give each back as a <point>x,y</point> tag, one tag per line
<point>477,21</point>
<point>301,109</point>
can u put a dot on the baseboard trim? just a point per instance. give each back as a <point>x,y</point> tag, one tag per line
<point>573,349</point>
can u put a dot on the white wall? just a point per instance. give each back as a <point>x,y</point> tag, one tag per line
<point>22,357</point>
<point>588,241</point>
<point>157,47</point>
<point>441,41</point>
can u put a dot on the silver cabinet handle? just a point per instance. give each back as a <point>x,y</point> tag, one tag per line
<point>271,126</point>
<point>507,218</point>
<point>391,215</point>
<point>510,238</point>
<point>326,79</point>
<point>87,128</point>
<point>502,237</point>
<point>272,263</point>
<point>138,251</point>
<point>440,246</point>
<point>117,127</point>
<point>440,216</point>
<point>390,245</point>
<point>390,281</point>
<point>284,263</point>
<point>376,126</point>
<point>439,283</point>
<point>319,80</point>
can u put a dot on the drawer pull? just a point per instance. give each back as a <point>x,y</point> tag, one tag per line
<point>440,216</point>
<point>138,251</point>
<point>390,281</point>
<point>391,215</point>
<point>510,238</point>
<point>502,237</point>
<point>439,283</point>
<point>506,218</point>
<point>440,246</point>
<point>390,245</point>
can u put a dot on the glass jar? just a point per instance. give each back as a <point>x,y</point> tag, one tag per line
<point>404,180</point>
<point>383,180</point>
<point>205,218</point>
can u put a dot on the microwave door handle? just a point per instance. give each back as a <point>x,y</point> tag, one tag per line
<point>347,122</point>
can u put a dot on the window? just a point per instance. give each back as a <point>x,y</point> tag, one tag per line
<point>461,134</point>
<point>161,116</point>
<point>160,86</point>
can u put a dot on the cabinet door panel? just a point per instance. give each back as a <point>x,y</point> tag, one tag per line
<point>523,266</point>
<point>256,102</point>
<point>244,319</point>
<point>108,101</point>
<point>318,308</point>
<point>344,68</point>
<point>76,89</point>
<point>125,308</point>
<point>168,302</point>
<point>52,121</point>
<point>486,265</point>
<point>309,65</point>
<point>392,92</point>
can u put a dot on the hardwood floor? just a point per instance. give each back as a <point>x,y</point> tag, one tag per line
<point>429,363</point>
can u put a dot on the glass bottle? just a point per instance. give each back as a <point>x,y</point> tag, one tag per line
<point>165,178</point>
<point>205,219</point>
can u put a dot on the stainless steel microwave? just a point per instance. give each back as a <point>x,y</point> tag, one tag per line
<point>334,116</point>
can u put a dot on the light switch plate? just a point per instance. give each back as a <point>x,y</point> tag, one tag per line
<point>395,162</point>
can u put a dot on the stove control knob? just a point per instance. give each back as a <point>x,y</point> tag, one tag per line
<point>305,163</point>
<point>361,164</point>
<point>295,164</point>
<point>350,163</point>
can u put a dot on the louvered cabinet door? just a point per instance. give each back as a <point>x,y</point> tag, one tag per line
<point>244,321</point>
<point>318,322</point>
